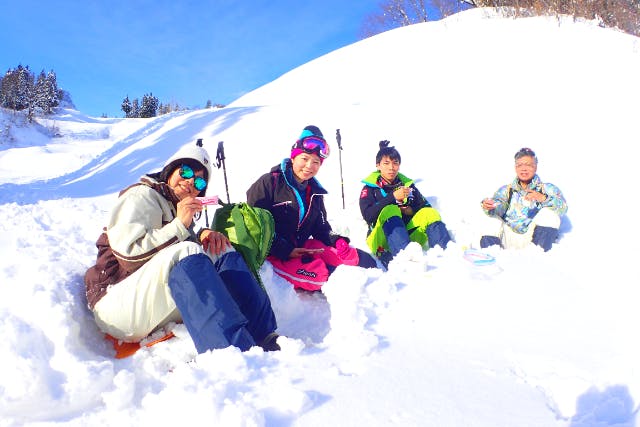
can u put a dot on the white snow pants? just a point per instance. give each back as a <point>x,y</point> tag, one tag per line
<point>494,226</point>
<point>142,303</point>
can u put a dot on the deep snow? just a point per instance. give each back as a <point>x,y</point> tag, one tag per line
<point>540,339</point>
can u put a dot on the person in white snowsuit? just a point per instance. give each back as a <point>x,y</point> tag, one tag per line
<point>524,211</point>
<point>153,268</point>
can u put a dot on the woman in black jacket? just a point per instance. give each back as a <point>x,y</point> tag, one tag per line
<point>305,251</point>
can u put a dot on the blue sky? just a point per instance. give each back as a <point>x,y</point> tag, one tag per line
<point>181,51</point>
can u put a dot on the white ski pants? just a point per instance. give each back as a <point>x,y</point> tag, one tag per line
<point>142,303</point>
<point>494,226</point>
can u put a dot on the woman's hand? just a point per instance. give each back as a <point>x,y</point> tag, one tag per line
<point>300,252</point>
<point>187,208</point>
<point>214,241</point>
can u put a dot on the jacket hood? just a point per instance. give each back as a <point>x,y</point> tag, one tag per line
<point>372,179</point>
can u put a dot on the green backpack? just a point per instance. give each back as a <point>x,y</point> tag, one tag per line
<point>249,229</point>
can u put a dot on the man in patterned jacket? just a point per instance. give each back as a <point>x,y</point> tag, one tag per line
<point>524,211</point>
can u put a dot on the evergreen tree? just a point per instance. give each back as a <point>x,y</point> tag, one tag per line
<point>7,89</point>
<point>149,106</point>
<point>40,93</point>
<point>19,92</point>
<point>52,90</point>
<point>135,108</point>
<point>17,88</point>
<point>24,89</point>
<point>126,107</point>
<point>46,92</point>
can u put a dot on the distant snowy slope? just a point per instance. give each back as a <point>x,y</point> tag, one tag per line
<point>447,63</point>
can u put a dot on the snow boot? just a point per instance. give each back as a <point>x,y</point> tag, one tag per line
<point>487,241</point>
<point>385,258</point>
<point>269,343</point>
<point>365,260</point>
<point>544,237</point>
<point>210,314</point>
<point>437,234</point>
<point>396,234</point>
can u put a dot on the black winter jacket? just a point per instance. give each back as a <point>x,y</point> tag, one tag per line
<point>276,192</point>
<point>374,197</point>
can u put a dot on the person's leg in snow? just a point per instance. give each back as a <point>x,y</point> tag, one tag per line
<point>388,223</point>
<point>544,237</point>
<point>365,260</point>
<point>311,272</point>
<point>547,225</point>
<point>251,298</point>
<point>427,229</point>
<point>396,234</point>
<point>438,235</point>
<point>389,236</point>
<point>341,254</point>
<point>306,273</point>
<point>488,241</point>
<point>212,316</point>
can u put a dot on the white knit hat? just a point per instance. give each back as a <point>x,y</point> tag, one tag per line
<point>186,155</point>
<point>195,152</point>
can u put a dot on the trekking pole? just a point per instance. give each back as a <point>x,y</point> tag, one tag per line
<point>206,211</point>
<point>220,161</point>
<point>339,140</point>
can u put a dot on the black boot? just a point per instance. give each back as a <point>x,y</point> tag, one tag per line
<point>487,241</point>
<point>544,237</point>
<point>437,234</point>
<point>269,343</point>
<point>385,258</point>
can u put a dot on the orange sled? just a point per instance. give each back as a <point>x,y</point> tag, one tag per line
<point>126,349</point>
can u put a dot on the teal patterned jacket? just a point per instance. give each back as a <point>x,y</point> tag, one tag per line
<point>517,213</point>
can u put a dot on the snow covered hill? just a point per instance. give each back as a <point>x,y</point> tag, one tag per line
<point>542,339</point>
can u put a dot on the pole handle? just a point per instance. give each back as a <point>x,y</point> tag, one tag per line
<point>220,154</point>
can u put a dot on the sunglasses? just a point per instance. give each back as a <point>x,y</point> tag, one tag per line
<point>187,173</point>
<point>312,144</point>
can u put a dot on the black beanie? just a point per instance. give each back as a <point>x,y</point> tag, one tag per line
<point>314,130</point>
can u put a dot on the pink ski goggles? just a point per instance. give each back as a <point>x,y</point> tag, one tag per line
<point>312,144</point>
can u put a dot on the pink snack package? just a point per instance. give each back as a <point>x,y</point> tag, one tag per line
<point>208,200</point>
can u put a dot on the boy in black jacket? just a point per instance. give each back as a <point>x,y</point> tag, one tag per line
<point>395,210</point>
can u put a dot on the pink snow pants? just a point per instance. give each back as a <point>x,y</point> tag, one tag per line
<point>313,272</point>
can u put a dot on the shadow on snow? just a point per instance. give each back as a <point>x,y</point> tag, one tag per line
<point>100,177</point>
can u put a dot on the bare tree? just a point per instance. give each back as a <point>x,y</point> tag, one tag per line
<point>400,13</point>
<point>621,14</point>
<point>393,14</point>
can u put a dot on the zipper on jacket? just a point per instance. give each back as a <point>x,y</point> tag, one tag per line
<point>309,208</point>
